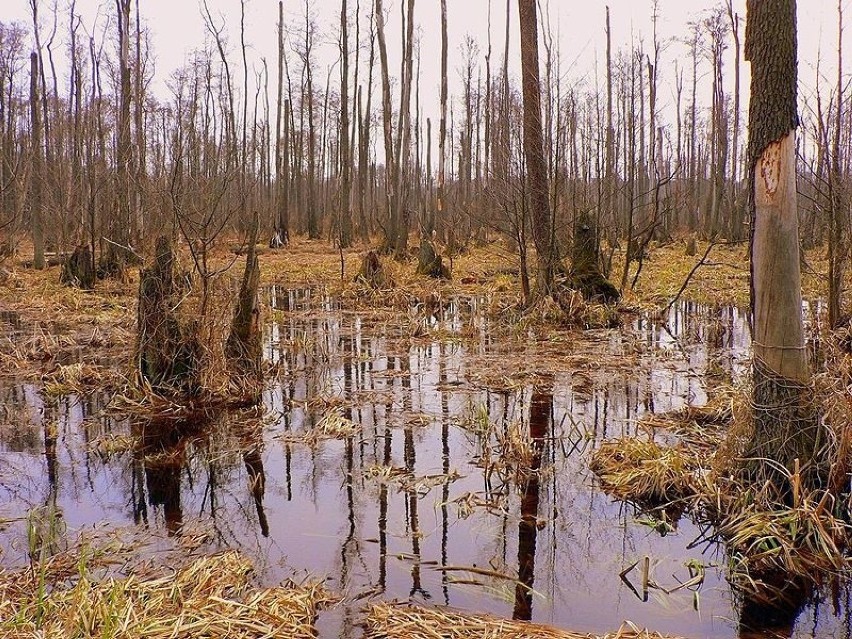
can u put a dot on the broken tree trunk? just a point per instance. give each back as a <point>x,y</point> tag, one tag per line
<point>429,263</point>
<point>586,276</point>
<point>372,273</point>
<point>79,269</point>
<point>243,350</point>
<point>168,354</point>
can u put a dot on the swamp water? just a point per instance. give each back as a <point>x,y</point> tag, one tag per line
<point>420,503</point>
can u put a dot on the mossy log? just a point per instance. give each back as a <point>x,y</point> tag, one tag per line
<point>168,353</point>
<point>79,270</point>
<point>430,264</point>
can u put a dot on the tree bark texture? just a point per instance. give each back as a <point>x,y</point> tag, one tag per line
<point>787,435</point>
<point>542,230</point>
<point>169,354</point>
<point>243,349</point>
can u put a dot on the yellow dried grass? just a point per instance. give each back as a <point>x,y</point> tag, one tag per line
<point>210,598</point>
<point>397,621</point>
<point>644,471</point>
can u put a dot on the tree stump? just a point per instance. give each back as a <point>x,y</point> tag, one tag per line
<point>168,354</point>
<point>277,241</point>
<point>244,350</point>
<point>691,248</point>
<point>430,264</point>
<point>372,273</point>
<point>114,262</point>
<point>586,275</point>
<point>79,269</point>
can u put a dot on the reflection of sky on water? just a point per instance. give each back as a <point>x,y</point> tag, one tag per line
<point>301,511</point>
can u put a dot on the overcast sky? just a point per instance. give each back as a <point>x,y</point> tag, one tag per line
<point>176,27</point>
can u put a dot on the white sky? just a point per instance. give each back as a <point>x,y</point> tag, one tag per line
<point>177,28</point>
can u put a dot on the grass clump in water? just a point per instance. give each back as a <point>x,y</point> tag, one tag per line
<point>776,543</point>
<point>211,597</point>
<point>646,472</point>
<point>389,621</point>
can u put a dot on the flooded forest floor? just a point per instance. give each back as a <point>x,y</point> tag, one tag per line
<point>429,444</point>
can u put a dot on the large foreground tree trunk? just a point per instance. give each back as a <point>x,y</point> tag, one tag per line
<point>787,435</point>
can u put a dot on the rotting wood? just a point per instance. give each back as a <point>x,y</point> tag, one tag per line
<point>168,353</point>
<point>243,349</point>
<point>431,264</point>
<point>372,273</point>
<point>79,269</point>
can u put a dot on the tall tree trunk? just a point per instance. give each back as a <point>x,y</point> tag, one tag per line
<point>37,160</point>
<point>403,141</point>
<point>282,159</point>
<point>542,229</point>
<point>837,250</point>
<point>391,168</point>
<point>786,434</point>
<point>123,224</point>
<point>345,160</point>
<point>442,127</point>
<point>609,167</point>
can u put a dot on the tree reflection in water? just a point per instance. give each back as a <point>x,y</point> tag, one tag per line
<point>541,406</point>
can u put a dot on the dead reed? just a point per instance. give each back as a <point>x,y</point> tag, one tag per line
<point>400,621</point>
<point>803,537</point>
<point>646,472</point>
<point>211,597</point>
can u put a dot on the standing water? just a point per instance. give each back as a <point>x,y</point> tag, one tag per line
<point>459,476</point>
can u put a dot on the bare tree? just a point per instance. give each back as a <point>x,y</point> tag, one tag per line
<point>37,166</point>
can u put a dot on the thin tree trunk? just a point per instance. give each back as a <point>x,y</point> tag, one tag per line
<point>345,163</point>
<point>37,177</point>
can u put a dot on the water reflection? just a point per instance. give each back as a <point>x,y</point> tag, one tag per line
<point>773,610</point>
<point>528,526</point>
<point>389,511</point>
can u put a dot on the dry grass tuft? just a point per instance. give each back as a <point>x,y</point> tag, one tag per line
<point>333,425</point>
<point>645,472</point>
<point>209,598</point>
<point>398,621</point>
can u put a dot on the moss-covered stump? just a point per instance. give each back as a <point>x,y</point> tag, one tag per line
<point>168,353</point>
<point>79,269</point>
<point>430,264</point>
<point>372,273</point>
<point>585,275</point>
